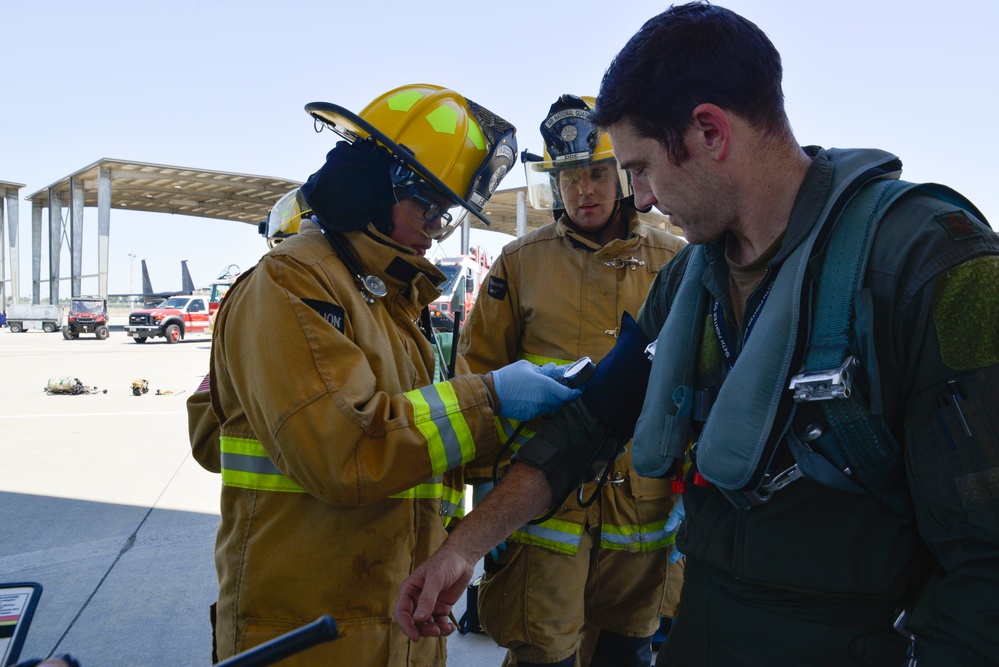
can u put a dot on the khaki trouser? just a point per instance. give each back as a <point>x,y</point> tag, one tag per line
<point>537,604</point>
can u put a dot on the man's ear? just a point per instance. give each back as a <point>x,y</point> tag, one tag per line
<point>712,130</point>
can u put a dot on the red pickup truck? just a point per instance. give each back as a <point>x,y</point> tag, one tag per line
<point>172,319</point>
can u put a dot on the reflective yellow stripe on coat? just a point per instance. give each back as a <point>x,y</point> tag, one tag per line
<point>245,465</point>
<point>636,539</point>
<point>555,534</point>
<point>436,489</point>
<point>506,427</point>
<point>438,417</point>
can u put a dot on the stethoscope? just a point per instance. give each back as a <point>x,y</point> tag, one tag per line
<point>370,286</point>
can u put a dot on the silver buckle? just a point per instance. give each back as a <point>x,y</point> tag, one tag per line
<point>825,385</point>
<point>772,485</point>
<point>620,263</point>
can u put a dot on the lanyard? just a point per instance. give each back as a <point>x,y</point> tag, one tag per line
<point>721,329</point>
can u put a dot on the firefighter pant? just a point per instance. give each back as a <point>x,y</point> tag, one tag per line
<point>536,605</point>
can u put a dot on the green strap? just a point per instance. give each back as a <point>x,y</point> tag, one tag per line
<point>843,267</point>
<point>862,438</point>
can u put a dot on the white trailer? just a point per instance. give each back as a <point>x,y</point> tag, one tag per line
<point>45,317</point>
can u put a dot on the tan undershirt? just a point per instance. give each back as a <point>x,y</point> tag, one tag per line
<point>744,278</point>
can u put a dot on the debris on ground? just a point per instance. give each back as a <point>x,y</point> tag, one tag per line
<point>169,392</point>
<point>70,386</point>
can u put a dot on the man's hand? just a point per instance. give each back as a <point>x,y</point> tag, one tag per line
<point>427,595</point>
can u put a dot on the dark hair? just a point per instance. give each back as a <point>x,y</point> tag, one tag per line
<point>689,55</point>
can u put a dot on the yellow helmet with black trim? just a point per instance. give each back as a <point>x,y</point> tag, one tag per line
<point>435,136</point>
<point>573,149</point>
<point>284,217</point>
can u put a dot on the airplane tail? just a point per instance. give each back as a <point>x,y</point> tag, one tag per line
<point>187,282</point>
<point>147,286</point>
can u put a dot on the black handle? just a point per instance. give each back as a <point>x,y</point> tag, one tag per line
<point>323,629</point>
<point>455,333</point>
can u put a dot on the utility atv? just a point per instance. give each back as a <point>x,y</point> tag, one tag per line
<point>87,314</point>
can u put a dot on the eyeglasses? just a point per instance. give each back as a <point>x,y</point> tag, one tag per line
<point>432,210</point>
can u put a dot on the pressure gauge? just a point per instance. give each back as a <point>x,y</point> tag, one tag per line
<point>578,372</point>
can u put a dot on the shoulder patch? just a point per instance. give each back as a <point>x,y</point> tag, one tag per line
<point>958,225</point>
<point>330,312</point>
<point>966,313</point>
<point>497,288</point>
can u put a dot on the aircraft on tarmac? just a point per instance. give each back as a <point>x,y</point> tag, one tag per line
<point>150,297</point>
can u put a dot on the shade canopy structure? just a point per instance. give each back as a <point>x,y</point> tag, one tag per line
<point>9,211</point>
<point>139,186</point>
<point>156,188</point>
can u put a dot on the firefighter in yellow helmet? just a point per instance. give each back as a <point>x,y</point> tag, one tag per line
<point>592,582</point>
<point>341,461</point>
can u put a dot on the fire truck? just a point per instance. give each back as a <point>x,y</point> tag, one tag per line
<point>219,286</point>
<point>465,274</point>
<point>181,314</point>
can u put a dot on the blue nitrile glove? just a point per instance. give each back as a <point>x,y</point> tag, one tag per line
<point>552,370</point>
<point>498,551</point>
<point>616,391</point>
<point>489,563</point>
<point>525,392</point>
<point>673,522</point>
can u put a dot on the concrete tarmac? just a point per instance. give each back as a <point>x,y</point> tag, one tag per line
<point>102,504</point>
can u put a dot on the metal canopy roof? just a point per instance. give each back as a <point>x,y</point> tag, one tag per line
<point>158,188</point>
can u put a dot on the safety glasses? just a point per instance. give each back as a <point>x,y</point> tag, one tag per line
<point>450,217</point>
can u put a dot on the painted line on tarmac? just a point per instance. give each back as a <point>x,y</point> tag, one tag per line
<point>93,414</point>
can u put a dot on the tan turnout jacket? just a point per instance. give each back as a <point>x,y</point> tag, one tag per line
<point>553,295</point>
<point>340,461</point>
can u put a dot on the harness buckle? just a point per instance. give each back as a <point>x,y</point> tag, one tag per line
<point>825,385</point>
<point>773,484</point>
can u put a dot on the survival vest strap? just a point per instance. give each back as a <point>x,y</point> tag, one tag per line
<point>855,452</point>
<point>858,454</point>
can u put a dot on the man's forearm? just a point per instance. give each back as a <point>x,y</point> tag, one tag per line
<point>522,494</point>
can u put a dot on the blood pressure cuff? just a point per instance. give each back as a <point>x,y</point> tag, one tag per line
<point>569,448</point>
<point>616,391</point>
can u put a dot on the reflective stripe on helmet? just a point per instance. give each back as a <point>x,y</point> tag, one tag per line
<point>404,101</point>
<point>443,119</point>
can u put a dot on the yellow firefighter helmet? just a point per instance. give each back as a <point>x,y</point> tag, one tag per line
<point>435,136</point>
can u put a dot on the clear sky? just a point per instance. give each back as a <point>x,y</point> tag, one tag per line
<point>221,85</point>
